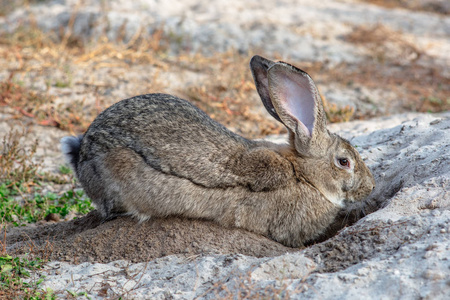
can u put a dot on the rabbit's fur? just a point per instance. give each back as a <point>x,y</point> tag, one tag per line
<point>157,155</point>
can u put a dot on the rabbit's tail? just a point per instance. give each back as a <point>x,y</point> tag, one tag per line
<point>70,147</point>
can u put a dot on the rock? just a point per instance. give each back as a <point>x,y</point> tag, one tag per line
<point>288,266</point>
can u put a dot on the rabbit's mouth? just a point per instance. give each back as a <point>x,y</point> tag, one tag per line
<point>349,201</point>
<point>352,205</point>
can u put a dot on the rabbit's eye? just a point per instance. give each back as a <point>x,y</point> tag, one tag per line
<point>344,162</point>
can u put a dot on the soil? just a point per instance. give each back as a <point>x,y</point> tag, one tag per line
<point>90,239</point>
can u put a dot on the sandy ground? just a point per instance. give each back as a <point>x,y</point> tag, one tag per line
<point>399,250</point>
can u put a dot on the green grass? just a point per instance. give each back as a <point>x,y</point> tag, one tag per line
<point>20,209</point>
<point>65,170</point>
<point>22,202</point>
<point>21,197</point>
<point>16,281</point>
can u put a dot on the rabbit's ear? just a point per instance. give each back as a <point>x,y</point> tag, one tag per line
<point>298,105</point>
<point>259,66</point>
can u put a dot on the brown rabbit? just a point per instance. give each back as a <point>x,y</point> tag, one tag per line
<point>157,155</point>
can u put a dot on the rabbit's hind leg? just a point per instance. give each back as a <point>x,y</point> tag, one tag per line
<point>100,185</point>
<point>124,173</point>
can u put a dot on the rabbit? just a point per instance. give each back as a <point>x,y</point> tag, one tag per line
<point>157,155</point>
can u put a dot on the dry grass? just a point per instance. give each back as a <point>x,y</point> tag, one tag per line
<point>227,94</point>
<point>7,6</point>
<point>418,88</point>
<point>394,64</point>
<point>20,171</point>
<point>385,45</point>
<point>42,108</point>
<point>337,114</point>
<point>16,160</point>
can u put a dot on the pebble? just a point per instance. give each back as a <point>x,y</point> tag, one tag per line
<point>52,217</point>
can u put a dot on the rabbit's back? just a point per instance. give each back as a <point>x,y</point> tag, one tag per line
<point>170,135</point>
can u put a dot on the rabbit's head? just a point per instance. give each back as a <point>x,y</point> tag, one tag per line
<point>319,158</point>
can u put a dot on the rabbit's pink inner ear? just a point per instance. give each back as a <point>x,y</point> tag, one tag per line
<point>296,95</point>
